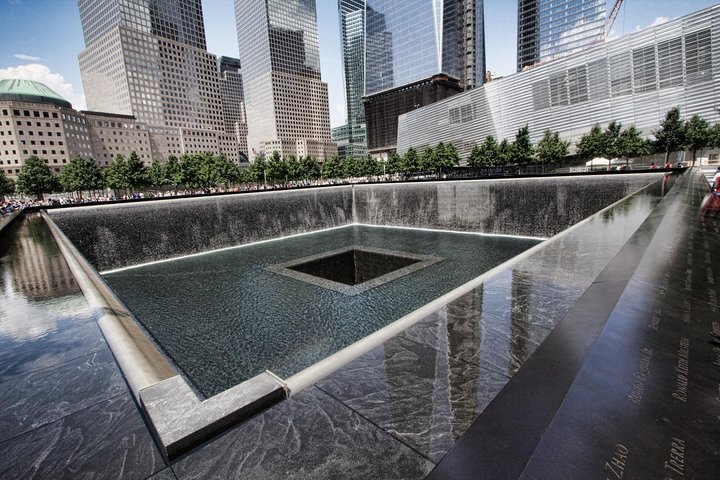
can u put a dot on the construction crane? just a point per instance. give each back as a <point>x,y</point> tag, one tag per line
<point>610,20</point>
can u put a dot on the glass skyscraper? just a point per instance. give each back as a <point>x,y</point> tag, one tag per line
<point>352,29</point>
<point>417,52</point>
<point>148,59</point>
<point>286,101</point>
<point>549,29</point>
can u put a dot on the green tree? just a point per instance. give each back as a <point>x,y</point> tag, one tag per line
<point>116,174</point>
<point>592,144</point>
<point>351,167</point>
<point>81,174</point>
<point>156,174</point>
<point>173,174</point>
<point>697,135</point>
<point>550,149</point>
<point>393,164</point>
<point>612,139</point>
<point>671,135</point>
<point>485,155</point>
<point>715,136</point>
<point>446,156</point>
<point>136,172</point>
<point>333,167</point>
<point>428,159</point>
<point>36,178</point>
<point>276,167</point>
<point>257,171</point>
<point>293,168</point>
<point>226,172</point>
<point>7,185</point>
<point>504,153</point>
<point>309,168</point>
<point>522,148</point>
<point>410,161</point>
<point>631,144</point>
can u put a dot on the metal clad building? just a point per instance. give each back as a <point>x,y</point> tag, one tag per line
<point>634,80</point>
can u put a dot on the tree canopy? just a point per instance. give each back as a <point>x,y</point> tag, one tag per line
<point>671,135</point>
<point>551,149</point>
<point>36,178</point>
<point>7,185</point>
<point>81,174</point>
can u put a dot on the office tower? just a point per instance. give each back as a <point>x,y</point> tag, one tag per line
<point>233,102</point>
<point>147,58</point>
<point>285,100</point>
<point>417,52</point>
<point>549,29</point>
<point>352,29</point>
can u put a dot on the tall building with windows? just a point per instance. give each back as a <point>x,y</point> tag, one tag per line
<point>148,59</point>
<point>352,29</point>
<point>633,80</point>
<point>549,29</point>
<point>285,99</point>
<point>417,52</point>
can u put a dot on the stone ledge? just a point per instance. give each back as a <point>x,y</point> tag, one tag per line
<point>181,419</point>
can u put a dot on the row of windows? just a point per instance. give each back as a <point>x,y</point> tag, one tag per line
<point>28,113</point>
<point>641,70</point>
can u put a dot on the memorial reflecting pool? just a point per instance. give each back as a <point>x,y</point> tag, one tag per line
<point>226,316</point>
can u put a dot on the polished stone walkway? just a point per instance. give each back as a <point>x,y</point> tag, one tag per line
<point>591,305</point>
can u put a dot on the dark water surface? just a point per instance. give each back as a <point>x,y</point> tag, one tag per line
<point>223,318</point>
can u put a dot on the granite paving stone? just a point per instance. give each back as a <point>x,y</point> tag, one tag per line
<point>41,397</point>
<point>309,436</point>
<point>106,441</point>
<point>422,396</point>
<point>166,474</point>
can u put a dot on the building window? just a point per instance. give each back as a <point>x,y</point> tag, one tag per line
<point>644,69</point>
<point>558,89</point>
<point>698,57</point>
<point>577,84</point>
<point>620,81</point>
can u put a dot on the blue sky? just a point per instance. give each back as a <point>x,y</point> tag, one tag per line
<point>41,39</point>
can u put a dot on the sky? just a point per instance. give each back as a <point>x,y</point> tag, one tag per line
<point>40,39</point>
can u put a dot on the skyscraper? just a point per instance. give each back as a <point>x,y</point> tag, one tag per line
<point>147,58</point>
<point>285,98</point>
<point>352,29</point>
<point>417,52</point>
<point>549,29</point>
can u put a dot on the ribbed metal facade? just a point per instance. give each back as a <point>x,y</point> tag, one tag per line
<point>634,80</point>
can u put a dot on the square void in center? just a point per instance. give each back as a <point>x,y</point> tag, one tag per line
<point>354,269</point>
<point>355,266</point>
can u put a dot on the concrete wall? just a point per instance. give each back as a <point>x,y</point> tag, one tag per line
<point>114,236</point>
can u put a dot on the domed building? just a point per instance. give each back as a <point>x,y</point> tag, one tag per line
<point>34,120</point>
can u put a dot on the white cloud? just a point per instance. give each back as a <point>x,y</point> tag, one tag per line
<point>655,23</point>
<point>659,21</point>
<point>29,58</point>
<point>41,73</point>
